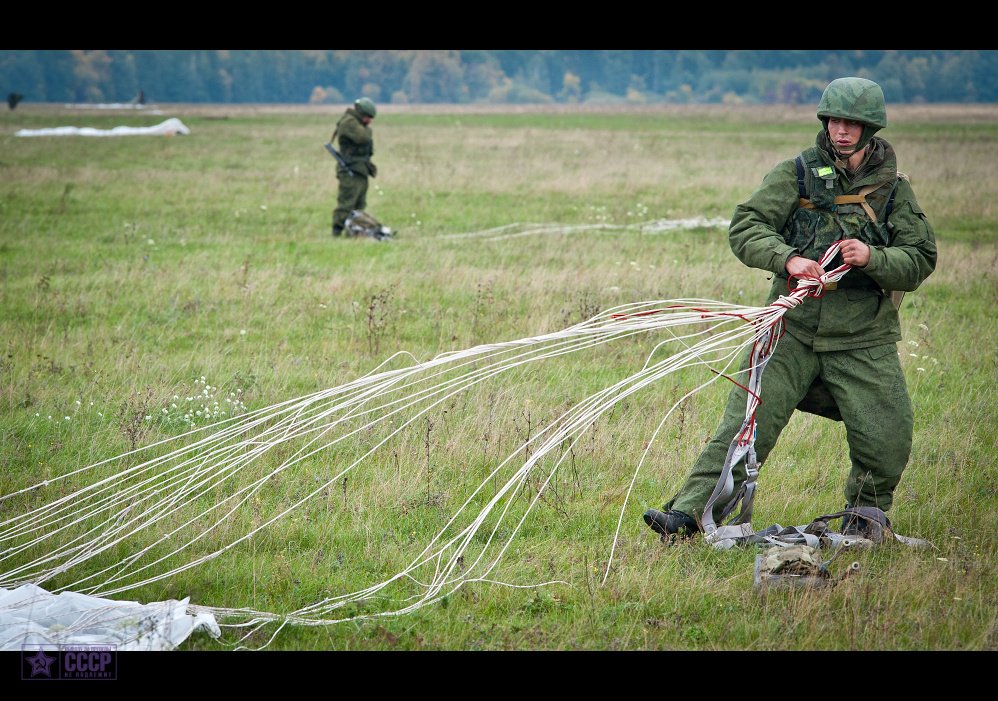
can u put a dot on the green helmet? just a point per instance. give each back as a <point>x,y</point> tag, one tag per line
<point>858,99</point>
<point>366,106</point>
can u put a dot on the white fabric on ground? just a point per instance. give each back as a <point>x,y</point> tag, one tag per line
<point>32,615</point>
<point>170,127</point>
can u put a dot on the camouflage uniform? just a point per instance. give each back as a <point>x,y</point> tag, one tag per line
<point>839,351</point>
<point>356,146</point>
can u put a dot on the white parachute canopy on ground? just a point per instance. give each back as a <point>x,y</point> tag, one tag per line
<point>170,127</point>
<point>30,615</point>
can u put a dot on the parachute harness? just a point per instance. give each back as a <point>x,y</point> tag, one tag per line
<point>743,444</point>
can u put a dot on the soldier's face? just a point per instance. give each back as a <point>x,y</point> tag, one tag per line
<point>366,120</point>
<point>844,133</point>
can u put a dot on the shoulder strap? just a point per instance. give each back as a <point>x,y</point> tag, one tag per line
<point>801,189</point>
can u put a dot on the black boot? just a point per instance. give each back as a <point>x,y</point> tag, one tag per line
<point>668,523</point>
<point>337,230</point>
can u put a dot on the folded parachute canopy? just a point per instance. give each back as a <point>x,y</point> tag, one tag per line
<point>170,127</point>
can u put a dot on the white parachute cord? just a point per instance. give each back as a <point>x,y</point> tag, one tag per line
<point>603,328</point>
<point>517,480</point>
<point>256,486</point>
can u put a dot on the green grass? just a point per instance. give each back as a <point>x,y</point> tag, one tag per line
<point>132,267</point>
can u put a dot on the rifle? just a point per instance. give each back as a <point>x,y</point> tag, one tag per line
<point>339,159</point>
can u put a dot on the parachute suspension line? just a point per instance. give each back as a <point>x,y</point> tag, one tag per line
<point>218,462</point>
<point>178,486</point>
<point>585,415</point>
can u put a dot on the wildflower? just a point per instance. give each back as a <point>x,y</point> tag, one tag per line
<point>923,327</point>
<point>263,207</point>
<point>67,418</point>
<point>242,332</point>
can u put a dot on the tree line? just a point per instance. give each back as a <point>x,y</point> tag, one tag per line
<point>491,76</point>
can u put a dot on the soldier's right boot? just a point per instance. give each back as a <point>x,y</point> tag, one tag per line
<point>668,523</point>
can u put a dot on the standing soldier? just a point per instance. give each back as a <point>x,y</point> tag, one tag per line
<point>838,356</point>
<point>354,165</point>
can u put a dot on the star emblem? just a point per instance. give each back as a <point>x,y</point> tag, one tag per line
<point>40,663</point>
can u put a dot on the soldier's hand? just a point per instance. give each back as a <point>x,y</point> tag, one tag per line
<point>798,266</point>
<point>855,253</point>
<point>372,169</point>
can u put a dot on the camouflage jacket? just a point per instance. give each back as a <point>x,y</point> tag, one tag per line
<point>356,141</point>
<point>771,226</point>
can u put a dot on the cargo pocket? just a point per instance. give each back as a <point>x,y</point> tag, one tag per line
<point>878,352</point>
<point>858,314</point>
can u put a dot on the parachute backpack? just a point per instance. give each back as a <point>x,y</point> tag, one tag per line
<point>363,224</point>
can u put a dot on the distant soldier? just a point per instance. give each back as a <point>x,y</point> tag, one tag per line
<point>356,146</point>
<point>838,356</point>
<point>13,98</point>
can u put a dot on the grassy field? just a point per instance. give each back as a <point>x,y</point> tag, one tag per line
<point>141,273</point>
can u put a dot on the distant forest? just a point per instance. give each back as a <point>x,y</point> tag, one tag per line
<point>509,76</point>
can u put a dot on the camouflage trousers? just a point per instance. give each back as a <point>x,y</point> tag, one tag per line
<point>869,388</point>
<point>352,195</point>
